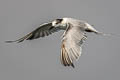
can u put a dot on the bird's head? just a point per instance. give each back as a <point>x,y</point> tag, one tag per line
<point>59,22</point>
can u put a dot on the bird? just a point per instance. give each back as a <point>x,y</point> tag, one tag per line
<point>75,34</point>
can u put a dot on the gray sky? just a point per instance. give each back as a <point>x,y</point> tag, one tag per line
<point>40,59</point>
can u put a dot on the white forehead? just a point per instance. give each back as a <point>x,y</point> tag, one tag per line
<point>65,20</point>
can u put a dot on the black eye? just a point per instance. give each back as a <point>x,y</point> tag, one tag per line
<point>58,21</point>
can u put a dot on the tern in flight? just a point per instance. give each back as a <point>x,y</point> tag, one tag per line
<point>73,37</point>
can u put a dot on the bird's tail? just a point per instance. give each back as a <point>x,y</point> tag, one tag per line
<point>91,29</point>
<point>107,34</point>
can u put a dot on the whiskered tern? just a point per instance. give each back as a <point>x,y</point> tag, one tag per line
<point>73,37</point>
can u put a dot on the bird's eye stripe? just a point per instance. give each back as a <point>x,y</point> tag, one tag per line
<point>58,20</point>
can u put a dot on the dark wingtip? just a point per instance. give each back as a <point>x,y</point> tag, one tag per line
<point>73,65</point>
<point>14,41</point>
<point>9,41</point>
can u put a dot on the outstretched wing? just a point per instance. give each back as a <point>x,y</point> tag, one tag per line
<point>71,45</point>
<point>44,30</point>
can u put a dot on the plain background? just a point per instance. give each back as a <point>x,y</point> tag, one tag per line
<point>40,59</point>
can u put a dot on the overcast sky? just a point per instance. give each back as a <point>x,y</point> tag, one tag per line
<point>40,59</point>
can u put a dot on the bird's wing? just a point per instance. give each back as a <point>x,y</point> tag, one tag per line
<point>42,31</point>
<point>71,45</point>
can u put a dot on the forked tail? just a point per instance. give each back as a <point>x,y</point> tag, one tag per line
<point>107,34</point>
